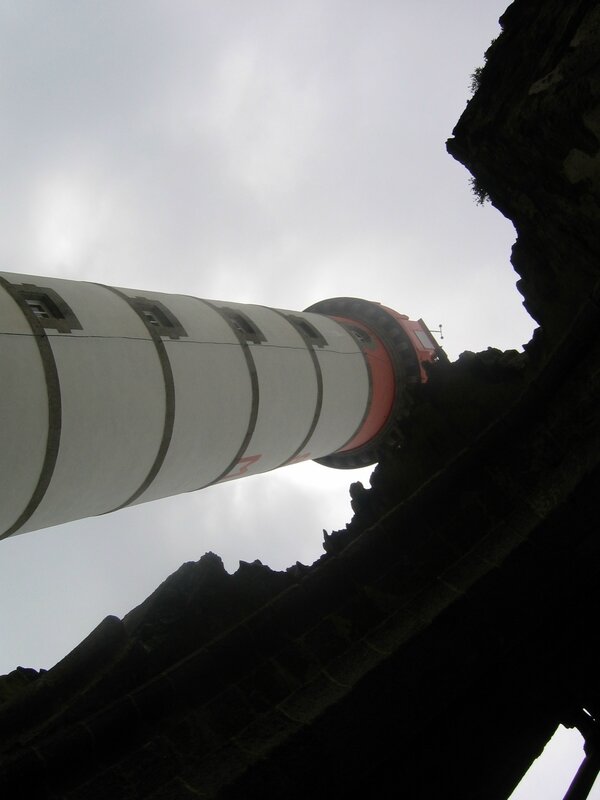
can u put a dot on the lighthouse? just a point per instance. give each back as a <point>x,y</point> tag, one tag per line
<point>112,397</point>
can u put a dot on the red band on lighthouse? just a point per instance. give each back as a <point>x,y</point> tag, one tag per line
<point>383,384</point>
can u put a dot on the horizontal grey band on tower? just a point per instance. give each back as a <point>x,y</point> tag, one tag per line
<point>310,346</point>
<point>346,328</point>
<point>243,342</point>
<point>169,382</point>
<point>54,408</point>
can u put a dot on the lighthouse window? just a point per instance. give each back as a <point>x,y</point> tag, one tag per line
<point>41,310</point>
<point>243,325</point>
<point>361,335</point>
<point>158,318</point>
<point>424,340</point>
<point>48,308</point>
<point>155,317</point>
<point>307,330</point>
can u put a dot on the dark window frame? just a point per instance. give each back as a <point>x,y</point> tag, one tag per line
<point>55,314</point>
<point>361,336</point>
<point>245,328</point>
<point>158,317</point>
<point>307,330</point>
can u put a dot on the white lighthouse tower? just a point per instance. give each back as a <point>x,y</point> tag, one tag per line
<point>111,397</point>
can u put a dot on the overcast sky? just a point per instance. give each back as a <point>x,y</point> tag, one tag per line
<point>264,152</point>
